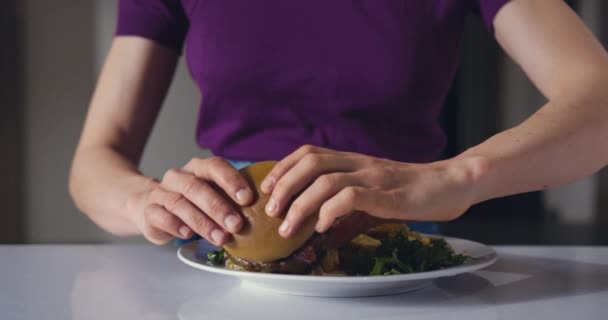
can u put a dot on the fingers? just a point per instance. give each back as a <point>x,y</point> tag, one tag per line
<point>352,199</point>
<point>162,226</point>
<point>324,187</point>
<point>184,203</point>
<point>195,219</point>
<point>286,164</point>
<point>205,197</point>
<point>301,175</point>
<point>223,174</point>
<point>294,180</point>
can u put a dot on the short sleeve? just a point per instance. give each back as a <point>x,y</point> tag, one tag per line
<point>488,9</point>
<point>163,21</point>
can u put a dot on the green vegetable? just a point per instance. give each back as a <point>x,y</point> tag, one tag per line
<point>399,254</point>
<point>393,271</point>
<point>405,255</point>
<point>392,263</point>
<point>216,257</point>
<point>379,265</point>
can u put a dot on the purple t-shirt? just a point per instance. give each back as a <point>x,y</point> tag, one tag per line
<point>360,76</point>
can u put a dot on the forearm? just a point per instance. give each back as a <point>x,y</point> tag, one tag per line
<point>565,140</point>
<point>101,183</point>
<point>104,179</point>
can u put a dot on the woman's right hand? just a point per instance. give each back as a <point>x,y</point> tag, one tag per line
<point>185,202</point>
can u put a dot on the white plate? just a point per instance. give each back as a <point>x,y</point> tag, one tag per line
<point>194,254</point>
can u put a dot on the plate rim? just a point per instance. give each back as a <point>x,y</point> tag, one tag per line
<point>484,262</point>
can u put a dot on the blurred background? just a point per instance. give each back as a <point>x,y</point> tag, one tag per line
<point>52,52</point>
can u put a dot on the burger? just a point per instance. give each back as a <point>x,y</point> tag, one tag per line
<point>259,247</point>
<point>358,245</point>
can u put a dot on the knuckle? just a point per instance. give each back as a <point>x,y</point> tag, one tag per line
<point>170,175</point>
<point>217,206</point>
<point>312,160</point>
<point>174,201</point>
<point>307,148</point>
<point>193,163</point>
<point>157,194</point>
<point>370,161</point>
<point>215,162</point>
<point>351,194</point>
<point>191,185</point>
<point>165,220</point>
<point>377,176</point>
<point>231,181</point>
<point>328,181</point>
<point>203,225</point>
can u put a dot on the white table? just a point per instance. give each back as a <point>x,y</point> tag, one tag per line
<point>147,282</point>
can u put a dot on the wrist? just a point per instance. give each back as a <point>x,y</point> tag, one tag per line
<point>473,172</point>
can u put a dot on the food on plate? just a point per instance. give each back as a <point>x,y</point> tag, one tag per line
<point>394,249</point>
<point>383,250</point>
<point>386,249</point>
<point>259,247</point>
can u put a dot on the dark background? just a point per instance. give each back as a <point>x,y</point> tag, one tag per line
<point>478,106</point>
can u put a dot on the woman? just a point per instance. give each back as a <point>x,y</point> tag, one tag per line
<point>354,87</point>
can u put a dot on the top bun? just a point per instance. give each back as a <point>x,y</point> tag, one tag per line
<point>259,239</point>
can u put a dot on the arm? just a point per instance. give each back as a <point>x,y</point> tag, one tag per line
<point>563,141</point>
<point>105,182</point>
<point>124,107</point>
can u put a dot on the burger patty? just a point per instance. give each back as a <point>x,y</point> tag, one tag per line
<point>300,262</point>
<point>305,259</point>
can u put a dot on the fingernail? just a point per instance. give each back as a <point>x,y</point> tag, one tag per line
<point>284,228</point>
<point>242,195</point>
<point>184,231</point>
<point>231,222</point>
<point>267,185</point>
<point>217,236</point>
<point>271,206</point>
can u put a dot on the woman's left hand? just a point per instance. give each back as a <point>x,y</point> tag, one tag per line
<point>338,183</point>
